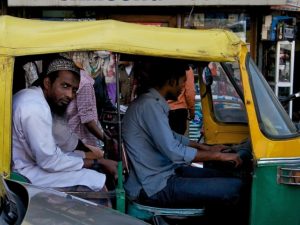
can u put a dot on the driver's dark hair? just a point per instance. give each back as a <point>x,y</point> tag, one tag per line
<point>159,71</point>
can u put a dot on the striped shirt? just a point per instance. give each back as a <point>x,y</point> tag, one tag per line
<point>83,110</point>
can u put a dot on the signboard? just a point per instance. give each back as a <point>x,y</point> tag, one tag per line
<point>141,2</point>
<point>291,5</point>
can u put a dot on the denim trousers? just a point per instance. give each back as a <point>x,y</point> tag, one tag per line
<point>197,187</point>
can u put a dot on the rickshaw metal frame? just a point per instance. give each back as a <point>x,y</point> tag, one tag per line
<point>44,37</point>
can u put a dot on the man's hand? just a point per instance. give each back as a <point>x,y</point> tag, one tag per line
<point>218,148</point>
<point>109,166</point>
<point>97,153</point>
<point>215,154</point>
<point>214,148</point>
<point>231,158</point>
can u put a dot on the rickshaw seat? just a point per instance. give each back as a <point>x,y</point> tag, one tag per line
<point>80,194</point>
<point>94,196</point>
<point>19,177</point>
<point>155,214</point>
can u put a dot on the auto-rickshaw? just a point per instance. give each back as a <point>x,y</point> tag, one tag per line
<point>237,102</point>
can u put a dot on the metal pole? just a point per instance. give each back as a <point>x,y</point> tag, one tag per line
<point>120,190</point>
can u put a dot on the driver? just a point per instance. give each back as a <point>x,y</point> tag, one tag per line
<point>160,159</point>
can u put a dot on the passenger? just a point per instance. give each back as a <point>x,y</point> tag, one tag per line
<point>66,139</point>
<point>105,84</point>
<point>126,72</point>
<point>109,72</point>
<point>183,108</point>
<point>82,113</point>
<point>36,154</point>
<point>83,120</point>
<point>161,172</point>
<point>99,65</point>
<point>102,98</point>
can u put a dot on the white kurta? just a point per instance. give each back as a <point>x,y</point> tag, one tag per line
<point>35,152</point>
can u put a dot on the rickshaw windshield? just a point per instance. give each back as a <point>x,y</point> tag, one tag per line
<point>273,119</point>
<point>228,106</point>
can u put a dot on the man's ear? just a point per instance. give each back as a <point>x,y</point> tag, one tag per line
<point>47,83</point>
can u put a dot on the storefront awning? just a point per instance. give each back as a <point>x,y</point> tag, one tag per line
<point>143,2</point>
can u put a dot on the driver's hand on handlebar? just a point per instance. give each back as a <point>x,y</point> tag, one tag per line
<point>218,148</point>
<point>231,158</point>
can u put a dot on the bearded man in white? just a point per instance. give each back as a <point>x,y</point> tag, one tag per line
<point>36,153</point>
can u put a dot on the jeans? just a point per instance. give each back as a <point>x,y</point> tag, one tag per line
<point>196,187</point>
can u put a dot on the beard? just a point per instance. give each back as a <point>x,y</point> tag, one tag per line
<point>59,110</point>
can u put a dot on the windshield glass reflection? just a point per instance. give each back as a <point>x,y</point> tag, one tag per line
<point>273,119</point>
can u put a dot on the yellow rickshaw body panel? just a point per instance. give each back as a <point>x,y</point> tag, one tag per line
<point>6,71</point>
<point>262,146</point>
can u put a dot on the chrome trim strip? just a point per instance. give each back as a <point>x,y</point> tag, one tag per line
<point>267,161</point>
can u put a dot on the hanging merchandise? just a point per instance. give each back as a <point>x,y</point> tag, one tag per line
<point>276,28</point>
<point>284,73</point>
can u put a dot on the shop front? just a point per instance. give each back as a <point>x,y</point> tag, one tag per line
<point>279,52</point>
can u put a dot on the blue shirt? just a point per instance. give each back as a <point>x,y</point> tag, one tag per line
<point>154,150</point>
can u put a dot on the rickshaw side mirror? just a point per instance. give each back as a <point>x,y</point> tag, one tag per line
<point>207,76</point>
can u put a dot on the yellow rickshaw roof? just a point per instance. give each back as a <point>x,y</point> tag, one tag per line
<point>29,37</point>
